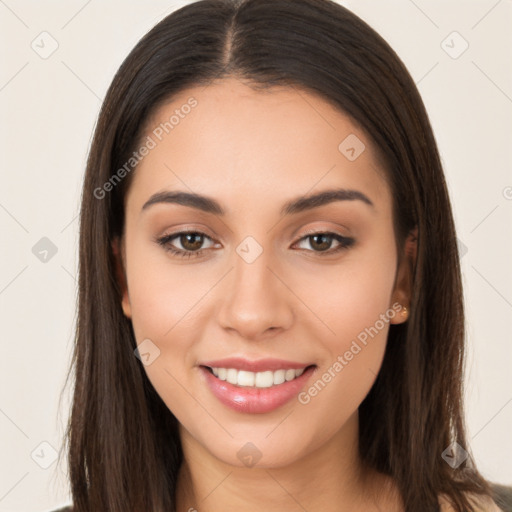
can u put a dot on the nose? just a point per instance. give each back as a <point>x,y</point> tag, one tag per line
<point>255,302</point>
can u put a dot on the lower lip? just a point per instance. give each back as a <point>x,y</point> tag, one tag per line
<point>255,400</point>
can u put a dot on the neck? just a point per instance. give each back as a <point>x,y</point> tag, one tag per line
<point>328,478</point>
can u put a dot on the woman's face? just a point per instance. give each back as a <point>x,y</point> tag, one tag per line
<point>255,283</point>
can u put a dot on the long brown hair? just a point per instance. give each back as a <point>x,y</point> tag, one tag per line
<point>123,445</point>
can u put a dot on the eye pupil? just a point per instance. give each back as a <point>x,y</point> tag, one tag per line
<point>325,244</point>
<point>193,241</point>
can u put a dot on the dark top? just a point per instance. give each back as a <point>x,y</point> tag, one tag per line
<point>502,495</point>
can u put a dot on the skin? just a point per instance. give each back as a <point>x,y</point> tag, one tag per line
<point>253,151</point>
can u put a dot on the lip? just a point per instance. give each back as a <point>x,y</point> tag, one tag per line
<point>252,400</point>
<point>261,365</point>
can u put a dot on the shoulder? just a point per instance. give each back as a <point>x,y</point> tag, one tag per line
<point>68,508</point>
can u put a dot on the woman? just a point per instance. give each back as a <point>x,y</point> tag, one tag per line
<point>270,301</point>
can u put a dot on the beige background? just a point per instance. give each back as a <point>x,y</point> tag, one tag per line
<point>48,108</point>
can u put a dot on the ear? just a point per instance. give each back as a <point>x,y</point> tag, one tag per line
<point>403,282</point>
<point>118,252</point>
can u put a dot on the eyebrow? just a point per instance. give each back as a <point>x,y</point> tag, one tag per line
<point>301,204</point>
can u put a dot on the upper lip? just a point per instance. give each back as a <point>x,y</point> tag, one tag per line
<point>259,365</point>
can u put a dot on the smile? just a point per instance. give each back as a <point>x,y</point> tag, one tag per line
<point>256,392</point>
<point>265,379</point>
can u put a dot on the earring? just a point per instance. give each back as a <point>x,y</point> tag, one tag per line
<point>405,311</point>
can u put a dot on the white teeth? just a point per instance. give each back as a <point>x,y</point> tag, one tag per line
<point>245,378</point>
<point>279,376</point>
<point>289,375</point>
<point>256,379</point>
<point>263,379</point>
<point>232,376</point>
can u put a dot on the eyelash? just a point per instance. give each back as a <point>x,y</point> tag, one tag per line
<point>165,242</point>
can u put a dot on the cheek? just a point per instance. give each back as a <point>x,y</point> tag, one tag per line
<point>353,354</point>
<point>355,304</point>
<point>351,297</point>
<point>165,297</point>
<point>170,307</point>
<point>165,302</point>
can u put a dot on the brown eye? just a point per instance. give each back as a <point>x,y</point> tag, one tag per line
<point>191,241</point>
<point>321,242</point>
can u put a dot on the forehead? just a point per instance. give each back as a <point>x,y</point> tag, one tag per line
<point>229,141</point>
